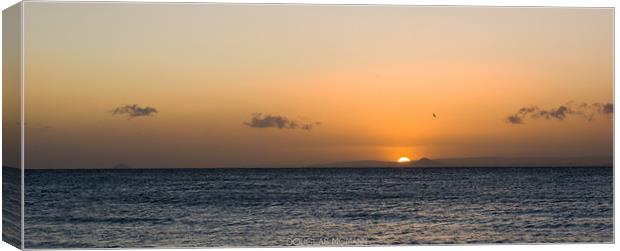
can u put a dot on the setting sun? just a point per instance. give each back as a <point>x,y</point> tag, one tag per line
<point>403,160</point>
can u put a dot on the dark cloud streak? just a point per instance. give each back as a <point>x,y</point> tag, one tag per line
<point>134,111</point>
<point>277,121</point>
<point>607,109</point>
<point>514,119</point>
<point>585,110</point>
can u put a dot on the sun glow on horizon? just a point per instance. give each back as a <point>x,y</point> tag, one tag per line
<point>403,160</point>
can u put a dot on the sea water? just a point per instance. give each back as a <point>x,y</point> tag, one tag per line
<point>323,206</point>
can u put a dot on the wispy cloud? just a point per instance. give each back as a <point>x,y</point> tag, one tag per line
<point>38,126</point>
<point>134,111</point>
<point>607,108</point>
<point>585,110</point>
<point>259,120</point>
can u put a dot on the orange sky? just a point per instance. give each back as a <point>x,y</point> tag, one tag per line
<point>371,75</point>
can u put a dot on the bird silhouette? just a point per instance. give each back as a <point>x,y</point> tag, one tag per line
<point>434,115</point>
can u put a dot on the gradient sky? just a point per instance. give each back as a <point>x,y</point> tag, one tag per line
<point>371,75</point>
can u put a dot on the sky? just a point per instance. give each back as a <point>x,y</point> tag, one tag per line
<point>11,74</point>
<point>213,85</point>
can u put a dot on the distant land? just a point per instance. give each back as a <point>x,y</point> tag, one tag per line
<point>594,161</point>
<point>481,162</point>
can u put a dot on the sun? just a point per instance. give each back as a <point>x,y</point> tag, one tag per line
<point>403,160</point>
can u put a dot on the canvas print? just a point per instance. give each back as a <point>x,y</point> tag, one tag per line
<point>244,125</point>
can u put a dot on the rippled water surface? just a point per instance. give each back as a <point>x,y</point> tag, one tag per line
<point>271,207</point>
<point>11,206</point>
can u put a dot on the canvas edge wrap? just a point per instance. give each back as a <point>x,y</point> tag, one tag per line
<point>12,125</point>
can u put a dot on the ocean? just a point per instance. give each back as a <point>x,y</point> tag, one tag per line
<point>320,206</point>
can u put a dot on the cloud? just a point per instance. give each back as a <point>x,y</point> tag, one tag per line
<point>280,122</point>
<point>134,111</point>
<point>588,111</point>
<point>36,125</point>
<point>607,108</point>
<point>514,119</point>
<point>554,113</point>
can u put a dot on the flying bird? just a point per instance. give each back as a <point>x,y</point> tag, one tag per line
<point>434,115</point>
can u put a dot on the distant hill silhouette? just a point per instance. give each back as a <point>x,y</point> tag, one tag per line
<point>601,161</point>
<point>482,162</point>
<point>362,163</point>
<point>425,162</point>
<point>121,166</point>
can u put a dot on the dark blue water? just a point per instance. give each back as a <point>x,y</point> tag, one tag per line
<point>11,205</point>
<point>271,207</point>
